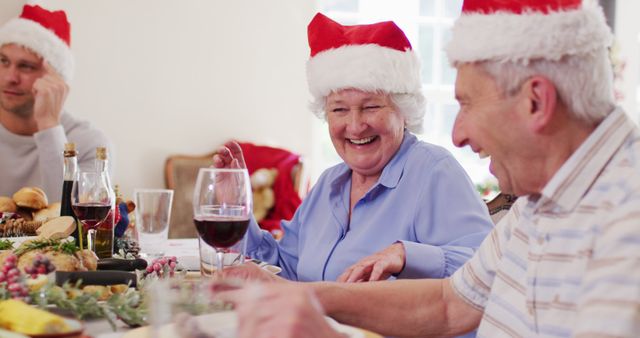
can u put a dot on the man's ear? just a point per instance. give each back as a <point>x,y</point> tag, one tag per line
<point>542,97</point>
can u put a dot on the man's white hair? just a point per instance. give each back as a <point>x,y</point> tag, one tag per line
<point>412,106</point>
<point>584,82</point>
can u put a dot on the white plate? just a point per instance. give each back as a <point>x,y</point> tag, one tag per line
<point>75,330</point>
<point>192,263</point>
<point>19,240</point>
<point>224,324</point>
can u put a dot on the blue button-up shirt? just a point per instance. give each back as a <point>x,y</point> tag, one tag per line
<point>423,198</point>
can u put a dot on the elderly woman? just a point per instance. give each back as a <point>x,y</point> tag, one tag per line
<point>396,206</point>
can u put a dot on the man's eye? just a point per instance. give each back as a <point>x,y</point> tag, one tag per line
<point>339,110</point>
<point>27,67</point>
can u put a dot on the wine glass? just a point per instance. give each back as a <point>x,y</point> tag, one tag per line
<point>91,200</point>
<point>222,206</point>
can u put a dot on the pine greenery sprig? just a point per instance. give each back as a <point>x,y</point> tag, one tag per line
<point>6,244</point>
<point>52,244</point>
<point>126,306</point>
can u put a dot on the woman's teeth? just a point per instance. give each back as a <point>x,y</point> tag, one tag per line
<point>483,154</point>
<point>362,140</point>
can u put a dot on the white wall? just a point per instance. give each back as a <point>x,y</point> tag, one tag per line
<point>163,77</point>
<point>628,36</point>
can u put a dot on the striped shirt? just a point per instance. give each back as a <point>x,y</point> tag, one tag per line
<point>567,263</point>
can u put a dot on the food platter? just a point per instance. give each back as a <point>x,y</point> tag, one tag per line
<point>75,331</point>
<point>224,324</point>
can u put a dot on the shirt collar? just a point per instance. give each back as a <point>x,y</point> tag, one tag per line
<point>577,174</point>
<point>392,171</point>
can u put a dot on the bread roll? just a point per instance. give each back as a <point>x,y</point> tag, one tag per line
<point>57,228</point>
<point>7,204</point>
<point>31,197</point>
<point>51,211</point>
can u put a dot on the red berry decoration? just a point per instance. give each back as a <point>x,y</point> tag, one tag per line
<point>12,280</point>
<point>41,266</point>
<point>162,267</point>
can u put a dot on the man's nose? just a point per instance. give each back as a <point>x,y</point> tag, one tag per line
<point>458,134</point>
<point>11,75</point>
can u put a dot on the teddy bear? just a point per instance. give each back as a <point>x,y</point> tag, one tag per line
<point>263,196</point>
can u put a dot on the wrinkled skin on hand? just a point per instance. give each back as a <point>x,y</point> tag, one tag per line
<point>251,272</point>
<point>378,266</point>
<point>229,156</point>
<point>278,310</point>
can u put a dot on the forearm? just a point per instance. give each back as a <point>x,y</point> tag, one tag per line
<point>407,308</point>
<point>50,145</point>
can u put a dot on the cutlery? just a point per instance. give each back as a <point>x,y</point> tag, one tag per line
<point>96,277</point>
<point>122,264</point>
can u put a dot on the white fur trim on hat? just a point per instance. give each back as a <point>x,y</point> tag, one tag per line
<point>366,67</point>
<point>42,41</point>
<point>522,37</point>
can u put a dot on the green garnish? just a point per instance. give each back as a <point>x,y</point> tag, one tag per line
<point>52,244</point>
<point>6,244</point>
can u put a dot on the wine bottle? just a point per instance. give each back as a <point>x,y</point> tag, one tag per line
<point>70,175</point>
<point>104,234</point>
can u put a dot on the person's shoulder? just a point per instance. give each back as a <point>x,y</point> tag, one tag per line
<point>76,128</point>
<point>332,173</point>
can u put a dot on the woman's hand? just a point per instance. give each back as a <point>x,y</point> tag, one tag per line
<point>251,272</point>
<point>378,266</point>
<point>229,156</point>
<point>278,310</point>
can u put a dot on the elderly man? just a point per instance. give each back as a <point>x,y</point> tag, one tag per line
<point>534,85</point>
<point>36,66</point>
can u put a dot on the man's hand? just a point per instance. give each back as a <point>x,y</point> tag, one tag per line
<point>49,92</point>
<point>378,266</point>
<point>229,156</point>
<point>251,272</point>
<point>278,310</point>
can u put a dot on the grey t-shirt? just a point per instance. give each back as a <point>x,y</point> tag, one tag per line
<point>38,160</point>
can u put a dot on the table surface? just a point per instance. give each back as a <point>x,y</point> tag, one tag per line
<point>186,250</point>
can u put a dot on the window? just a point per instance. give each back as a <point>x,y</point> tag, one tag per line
<point>427,24</point>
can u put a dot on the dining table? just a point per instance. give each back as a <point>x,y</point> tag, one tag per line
<point>186,250</point>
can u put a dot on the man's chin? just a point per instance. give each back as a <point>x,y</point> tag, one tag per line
<point>23,111</point>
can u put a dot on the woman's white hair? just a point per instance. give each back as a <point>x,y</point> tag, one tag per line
<point>412,106</point>
<point>584,83</point>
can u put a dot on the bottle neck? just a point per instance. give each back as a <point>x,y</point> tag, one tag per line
<point>102,165</point>
<point>70,171</point>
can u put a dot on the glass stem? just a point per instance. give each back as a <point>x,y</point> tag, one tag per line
<point>219,263</point>
<point>91,238</point>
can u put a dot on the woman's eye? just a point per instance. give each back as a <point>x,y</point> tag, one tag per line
<point>339,110</point>
<point>373,107</point>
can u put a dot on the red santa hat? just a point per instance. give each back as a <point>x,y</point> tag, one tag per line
<point>375,57</point>
<point>524,30</point>
<point>46,33</point>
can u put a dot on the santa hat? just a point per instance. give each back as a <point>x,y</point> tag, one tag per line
<point>44,32</point>
<point>376,57</point>
<point>524,30</point>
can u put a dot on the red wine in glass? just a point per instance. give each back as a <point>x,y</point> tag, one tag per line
<point>221,233</point>
<point>91,214</point>
<point>222,208</point>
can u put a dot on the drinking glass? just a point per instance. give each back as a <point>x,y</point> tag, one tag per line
<point>153,212</point>
<point>221,208</point>
<point>91,200</point>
